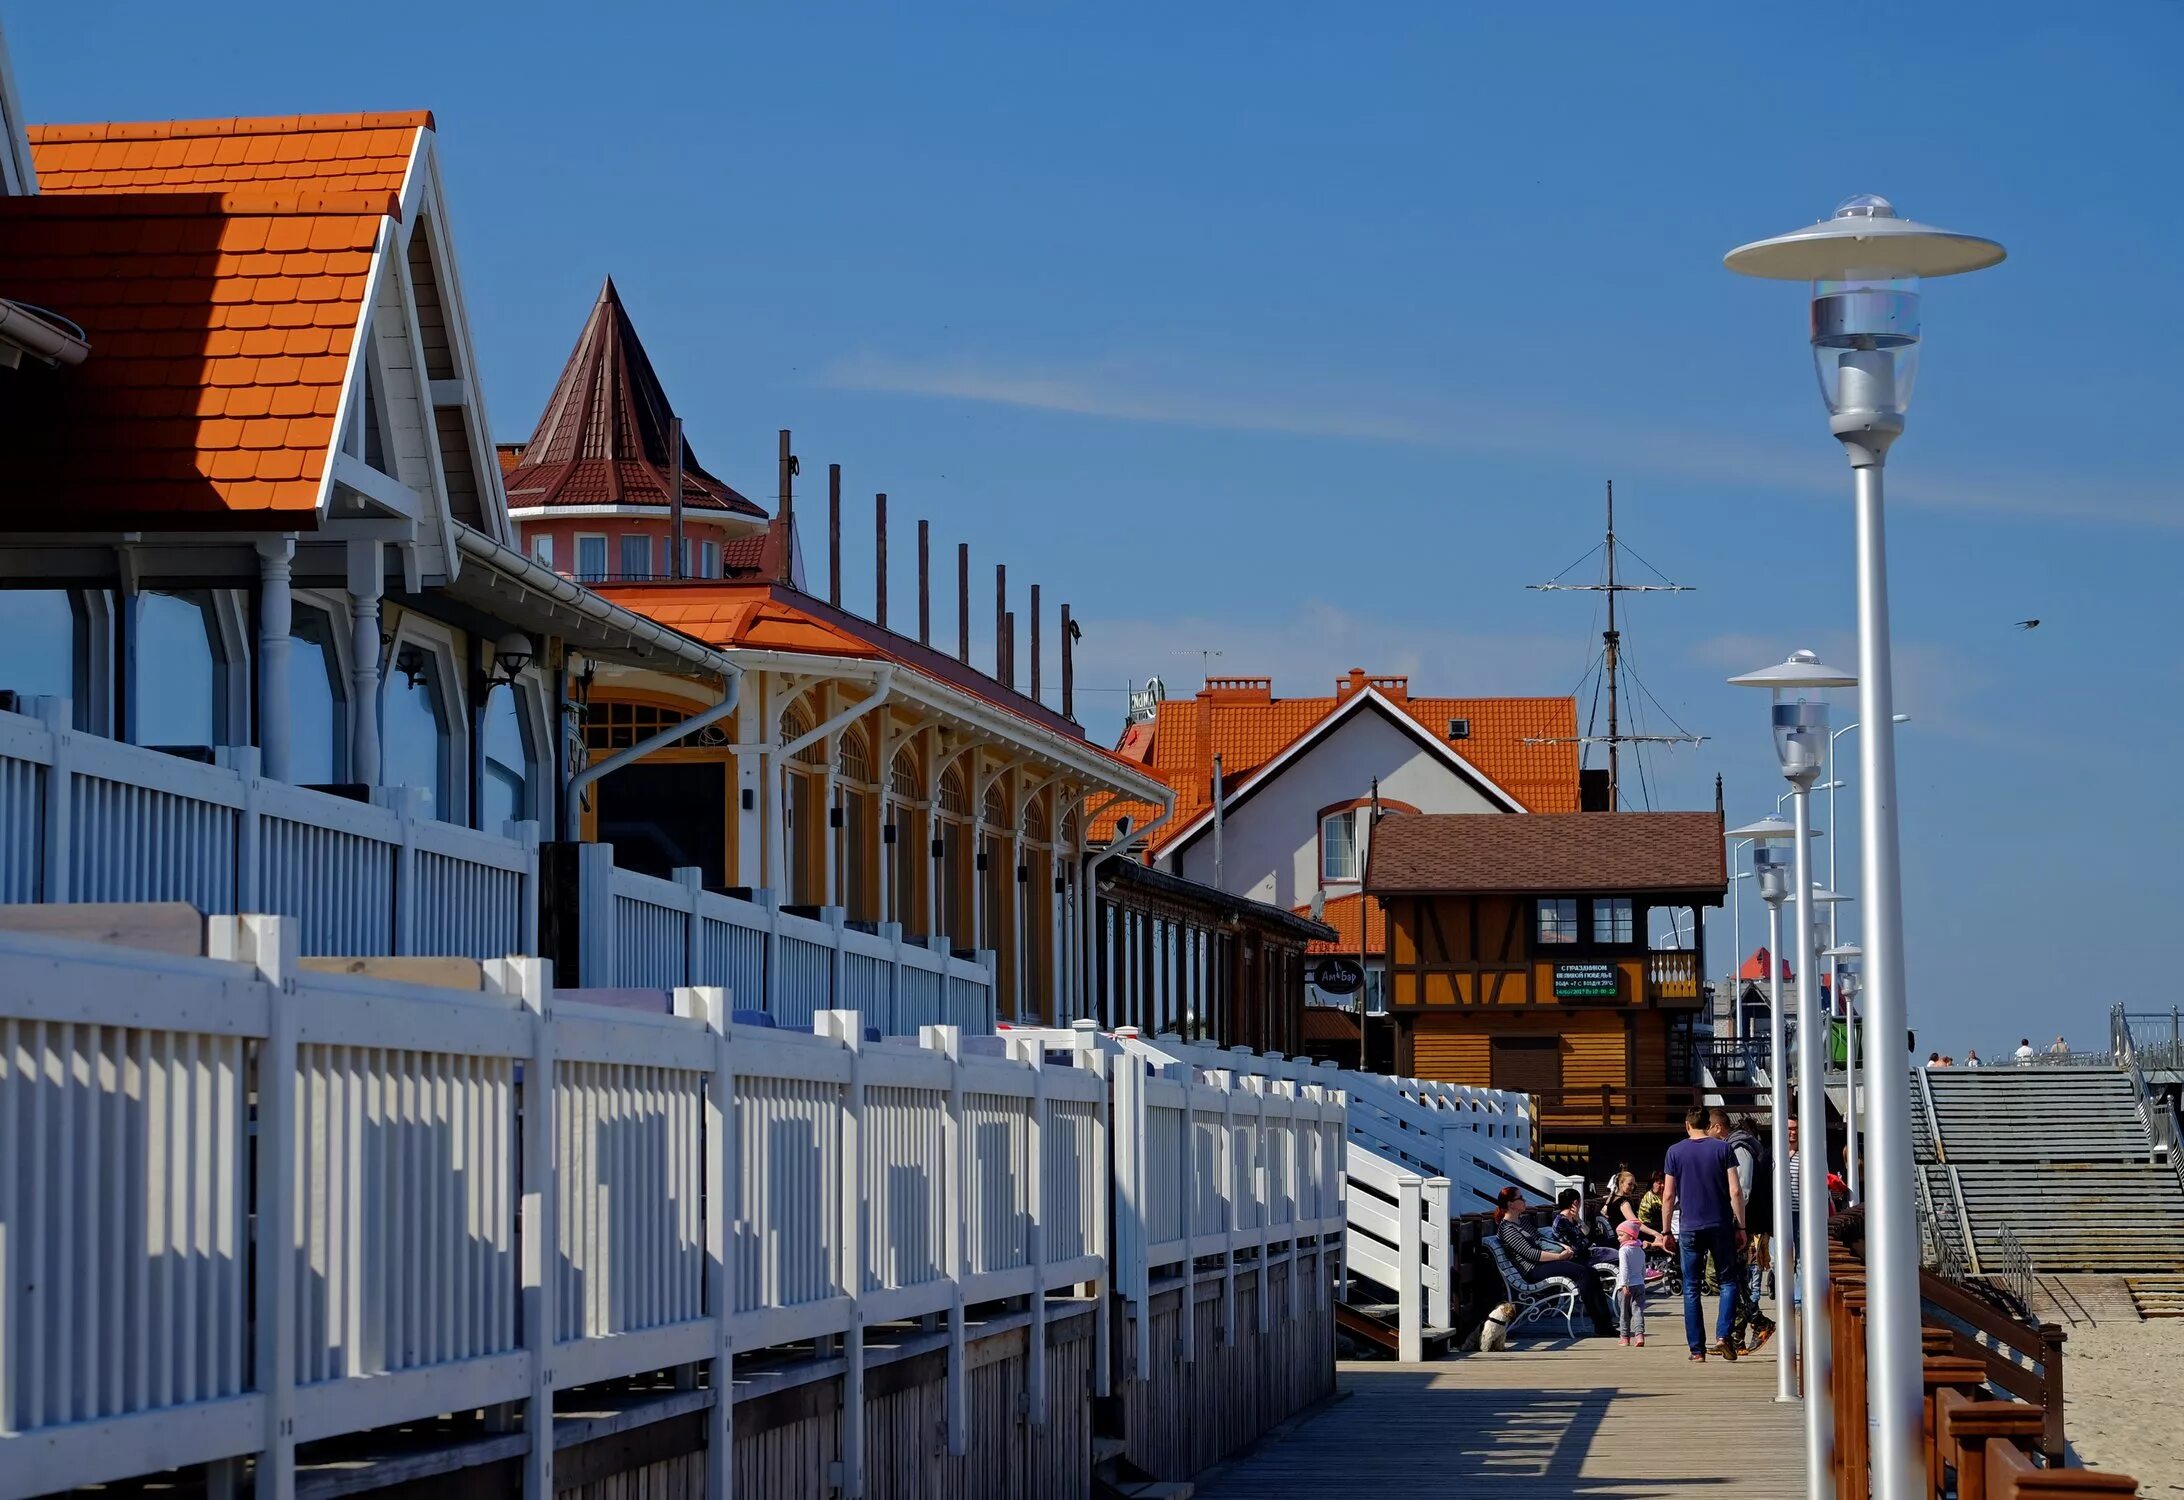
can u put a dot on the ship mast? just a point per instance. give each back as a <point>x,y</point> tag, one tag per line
<point>1611,660</point>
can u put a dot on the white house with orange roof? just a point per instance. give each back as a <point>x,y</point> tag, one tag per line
<point>1299,776</point>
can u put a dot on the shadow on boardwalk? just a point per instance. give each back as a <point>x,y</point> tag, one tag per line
<point>1543,1421</point>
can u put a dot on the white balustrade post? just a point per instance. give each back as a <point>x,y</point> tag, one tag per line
<point>1030,1050</point>
<point>408,805</point>
<point>56,880</point>
<point>527,887</point>
<point>720,1245</point>
<point>1226,1082</point>
<point>692,880</point>
<point>367,582</point>
<point>270,943</point>
<point>837,957</point>
<point>1293,1094</point>
<point>1437,1254</point>
<point>846,1027</point>
<point>597,962</point>
<point>1410,1336</point>
<point>991,961</point>
<point>771,899</point>
<point>891,934</point>
<point>244,761</point>
<point>1085,1036</point>
<point>1262,1186</point>
<point>1139,1287</point>
<point>540,1235</point>
<point>275,615</point>
<point>954,1149</point>
<point>1187,1181</point>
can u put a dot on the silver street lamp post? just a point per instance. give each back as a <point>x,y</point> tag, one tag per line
<point>1799,686</point>
<point>1864,264</point>
<point>1771,872</point>
<point>1851,1154</point>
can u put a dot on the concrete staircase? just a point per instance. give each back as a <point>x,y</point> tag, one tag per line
<point>2060,1158</point>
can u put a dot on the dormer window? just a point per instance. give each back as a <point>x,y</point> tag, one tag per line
<point>1612,920</point>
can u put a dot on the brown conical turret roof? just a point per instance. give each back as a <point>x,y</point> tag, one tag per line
<point>603,439</point>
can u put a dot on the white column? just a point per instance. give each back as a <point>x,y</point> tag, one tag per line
<point>275,614</point>
<point>367,582</point>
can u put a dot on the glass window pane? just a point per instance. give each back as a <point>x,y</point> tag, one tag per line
<point>39,626</point>
<point>591,558</point>
<point>504,788</point>
<point>314,700</point>
<point>1338,847</point>
<point>636,557</point>
<point>1612,920</point>
<point>709,559</point>
<point>176,671</point>
<point>542,548</point>
<point>413,726</point>
<point>1558,920</point>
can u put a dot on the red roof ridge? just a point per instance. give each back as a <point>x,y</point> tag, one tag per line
<point>168,130</point>
<point>127,205</point>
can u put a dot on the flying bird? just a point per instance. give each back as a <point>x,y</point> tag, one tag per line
<point>2028,624</point>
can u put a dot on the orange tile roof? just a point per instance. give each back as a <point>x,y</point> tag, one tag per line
<point>770,617</point>
<point>1248,728</point>
<point>1341,914</point>
<point>220,327</point>
<point>359,153</point>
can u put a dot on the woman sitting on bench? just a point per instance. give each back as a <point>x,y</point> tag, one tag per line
<point>1536,1262</point>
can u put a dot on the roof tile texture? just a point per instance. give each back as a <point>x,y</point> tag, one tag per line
<point>1435,853</point>
<point>220,328</point>
<point>1248,730</point>
<point>358,153</point>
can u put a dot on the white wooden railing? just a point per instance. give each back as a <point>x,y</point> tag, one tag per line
<point>89,819</point>
<point>1216,1171</point>
<point>1419,1153</point>
<point>639,931</point>
<point>245,1205</point>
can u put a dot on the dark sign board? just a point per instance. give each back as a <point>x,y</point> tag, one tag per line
<point>1339,976</point>
<point>1587,982</point>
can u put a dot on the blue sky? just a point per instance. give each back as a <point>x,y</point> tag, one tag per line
<point>1310,338</point>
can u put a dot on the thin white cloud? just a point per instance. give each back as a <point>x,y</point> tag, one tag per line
<point>1116,391</point>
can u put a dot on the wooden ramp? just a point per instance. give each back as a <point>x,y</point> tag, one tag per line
<point>1550,1419</point>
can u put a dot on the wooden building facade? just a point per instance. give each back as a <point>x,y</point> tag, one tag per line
<point>1519,958</point>
<point>1175,955</point>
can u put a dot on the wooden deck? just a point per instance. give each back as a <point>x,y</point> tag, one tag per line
<point>1590,1419</point>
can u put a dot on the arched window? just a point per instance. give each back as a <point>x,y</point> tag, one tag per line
<point>55,640</point>
<point>797,723</point>
<point>317,700</point>
<point>853,759</point>
<point>180,671</point>
<point>954,796</point>
<point>997,808</point>
<point>902,776</point>
<point>504,781</point>
<point>416,713</point>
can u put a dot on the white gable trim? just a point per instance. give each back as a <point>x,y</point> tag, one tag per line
<point>424,204</point>
<point>352,381</point>
<point>18,175</point>
<point>1353,704</point>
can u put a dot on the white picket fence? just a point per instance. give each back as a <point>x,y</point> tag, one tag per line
<point>1216,1171</point>
<point>245,1205</point>
<point>1419,1154</point>
<point>89,819</point>
<point>639,931</point>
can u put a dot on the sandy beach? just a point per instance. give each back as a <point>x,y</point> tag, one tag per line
<point>2120,1398</point>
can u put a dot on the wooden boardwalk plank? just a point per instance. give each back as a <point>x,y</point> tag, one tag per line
<point>1548,1419</point>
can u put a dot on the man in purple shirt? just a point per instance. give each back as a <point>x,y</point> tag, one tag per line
<point>1702,1183</point>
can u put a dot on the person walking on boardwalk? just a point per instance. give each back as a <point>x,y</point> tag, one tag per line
<point>1630,1283</point>
<point>1701,1184</point>
<point>1755,1177</point>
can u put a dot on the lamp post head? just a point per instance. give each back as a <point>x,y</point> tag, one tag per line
<point>1864,262</point>
<point>1772,864</point>
<point>1799,685</point>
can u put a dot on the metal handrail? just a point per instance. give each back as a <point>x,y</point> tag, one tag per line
<point>2016,1271</point>
<point>2154,1111</point>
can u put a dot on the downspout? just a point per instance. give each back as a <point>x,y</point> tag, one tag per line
<point>572,805</point>
<point>1088,891</point>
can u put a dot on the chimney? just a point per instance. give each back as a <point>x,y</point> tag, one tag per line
<point>1000,622</point>
<point>834,535</point>
<point>879,525</point>
<point>1069,671</point>
<point>784,522</point>
<point>1008,657</point>
<point>677,551</point>
<point>963,602</point>
<point>1035,643</point>
<point>1354,683</point>
<point>925,583</point>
